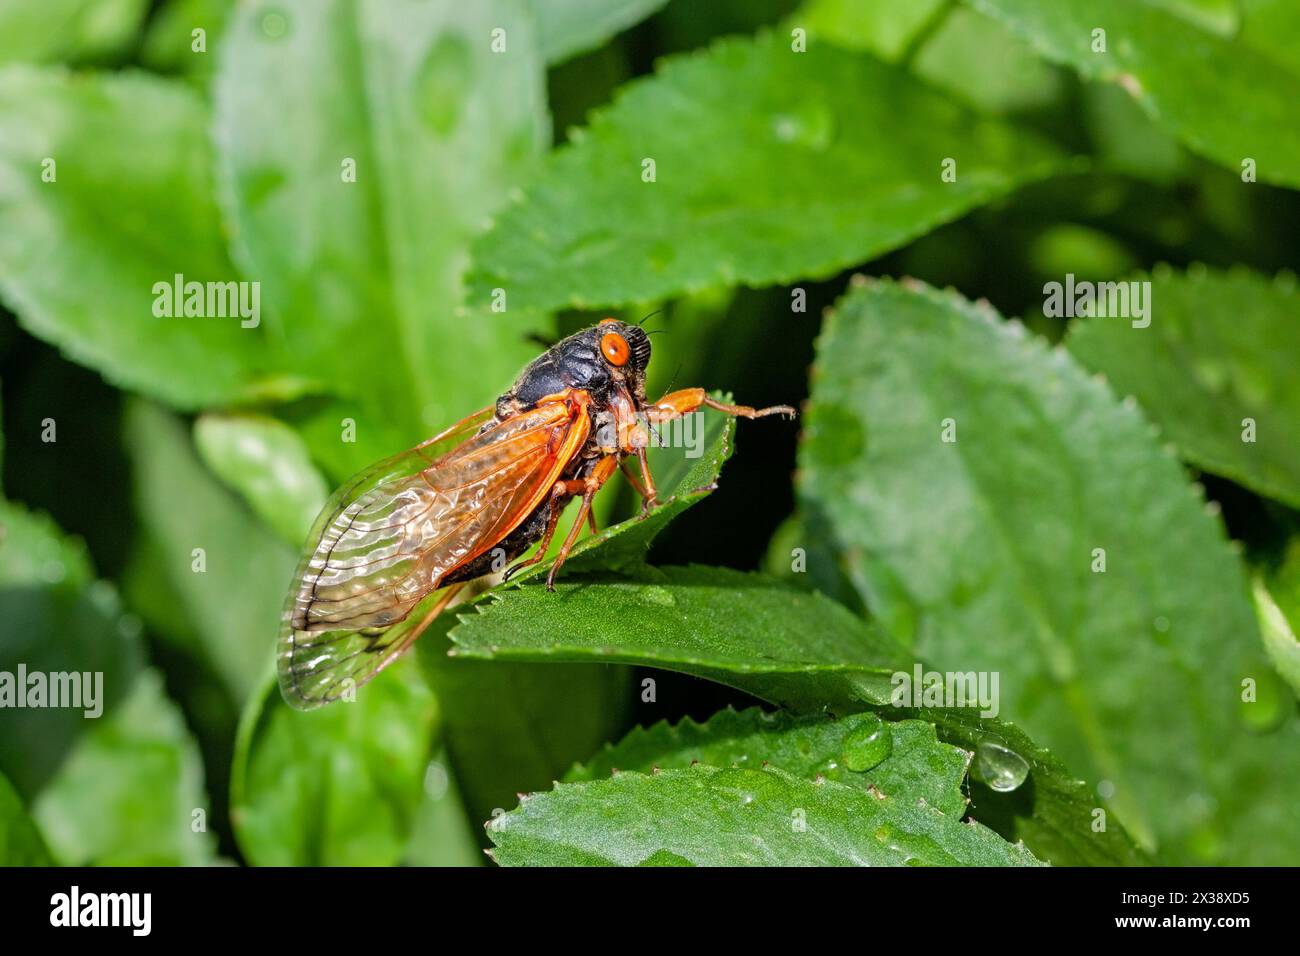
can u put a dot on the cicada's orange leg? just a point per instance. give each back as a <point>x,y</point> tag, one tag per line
<point>592,484</point>
<point>647,491</point>
<point>561,492</point>
<point>686,400</point>
<point>683,402</point>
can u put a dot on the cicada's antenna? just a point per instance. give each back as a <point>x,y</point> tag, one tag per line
<point>650,316</point>
<point>671,382</point>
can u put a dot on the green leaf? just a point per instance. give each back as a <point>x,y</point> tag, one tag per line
<point>883,27</point>
<point>364,276</point>
<point>685,26</point>
<point>1219,351</point>
<point>1217,16</point>
<point>34,551</point>
<point>340,786</point>
<point>168,45</point>
<point>1134,674</point>
<point>769,165</point>
<point>706,816</point>
<point>1054,813</point>
<point>129,206</point>
<point>20,839</point>
<point>267,463</point>
<point>566,28</point>
<point>517,726</point>
<point>131,792</point>
<point>582,621</point>
<point>954,48</point>
<point>442,834</point>
<point>38,31</point>
<point>1128,141</point>
<point>345,436</point>
<point>60,630</point>
<point>912,765</point>
<point>57,619</point>
<point>980,61</point>
<point>712,622</point>
<point>1277,602</point>
<point>1272,27</point>
<point>1191,80</point>
<point>119,777</point>
<point>1068,247</point>
<point>230,610</point>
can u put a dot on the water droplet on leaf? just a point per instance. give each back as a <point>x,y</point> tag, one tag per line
<point>999,768</point>
<point>811,125</point>
<point>658,596</point>
<point>867,745</point>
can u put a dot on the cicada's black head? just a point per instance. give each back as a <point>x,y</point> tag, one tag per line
<point>607,354</point>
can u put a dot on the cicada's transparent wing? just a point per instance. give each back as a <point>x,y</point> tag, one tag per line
<point>319,667</point>
<point>387,539</point>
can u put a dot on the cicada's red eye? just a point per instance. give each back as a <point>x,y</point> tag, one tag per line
<point>607,321</point>
<point>615,348</point>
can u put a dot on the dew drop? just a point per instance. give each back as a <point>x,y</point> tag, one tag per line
<point>436,780</point>
<point>658,596</point>
<point>743,786</point>
<point>867,745</point>
<point>999,768</point>
<point>811,126</point>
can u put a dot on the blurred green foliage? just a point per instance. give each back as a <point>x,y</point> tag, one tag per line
<point>384,171</point>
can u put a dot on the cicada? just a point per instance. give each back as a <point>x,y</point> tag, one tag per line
<point>392,546</point>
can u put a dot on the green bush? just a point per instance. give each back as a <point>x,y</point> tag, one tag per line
<point>1090,516</point>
